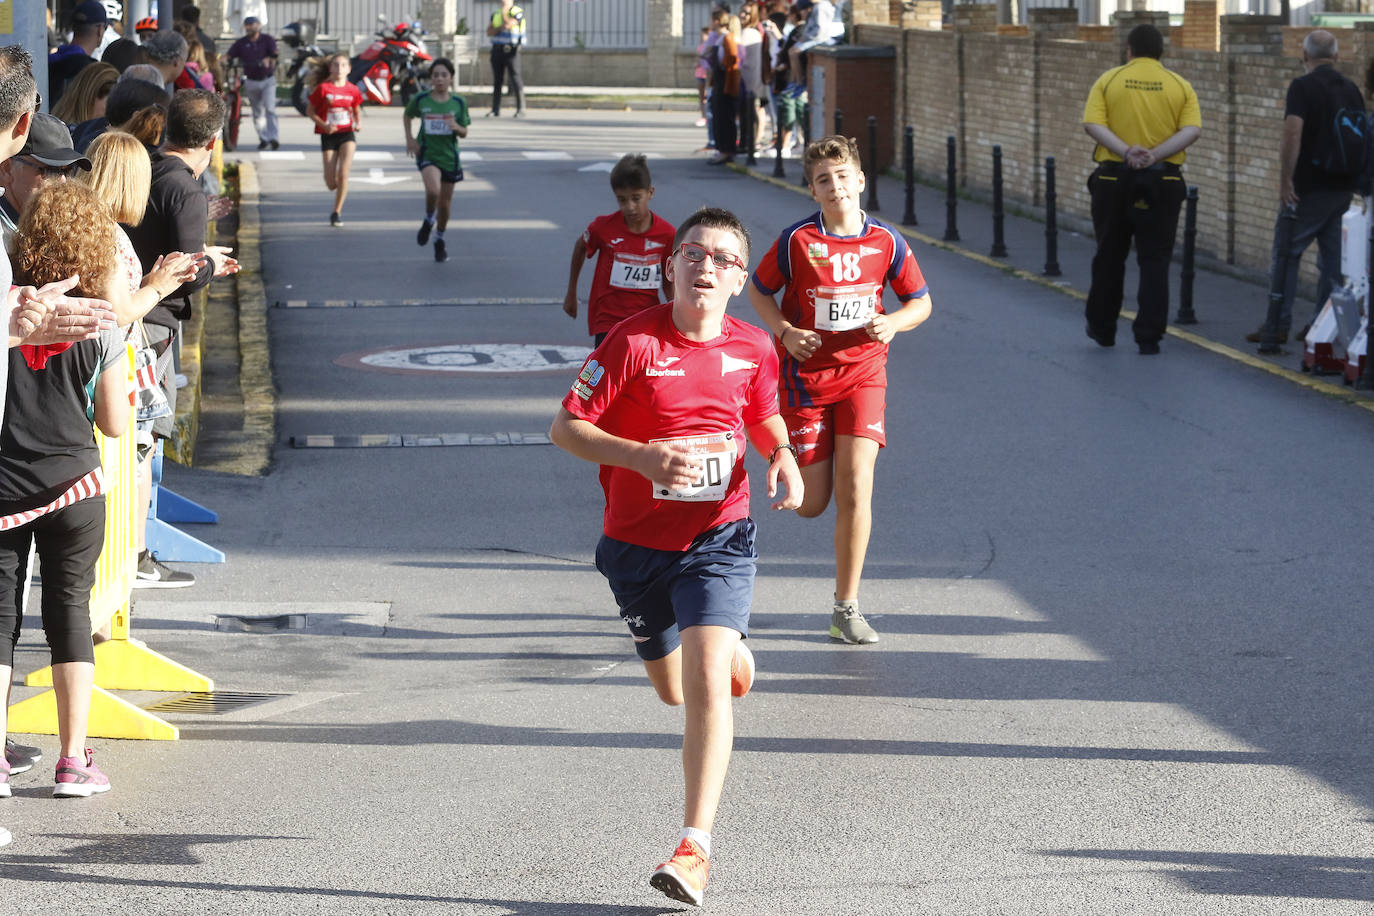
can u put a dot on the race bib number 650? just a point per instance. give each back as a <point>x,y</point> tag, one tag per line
<point>843,308</point>
<point>716,453</point>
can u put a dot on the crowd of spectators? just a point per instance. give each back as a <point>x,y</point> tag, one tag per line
<point>752,62</point>
<point>104,218</point>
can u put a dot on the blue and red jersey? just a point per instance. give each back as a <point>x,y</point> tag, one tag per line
<point>834,284</point>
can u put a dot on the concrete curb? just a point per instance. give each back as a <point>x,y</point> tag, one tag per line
<point>255,357</point>
<point>1339,392</point>
<point>181,447</point>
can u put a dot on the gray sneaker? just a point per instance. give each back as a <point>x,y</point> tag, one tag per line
<point>847,624</point>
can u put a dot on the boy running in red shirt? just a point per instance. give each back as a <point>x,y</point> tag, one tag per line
<point>633,244</point>
<point>832,335</point>
<point>664,405</point>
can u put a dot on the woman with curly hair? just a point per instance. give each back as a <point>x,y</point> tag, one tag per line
<point>84,97</point>
<point>51,490</point>
<point>336,107</point>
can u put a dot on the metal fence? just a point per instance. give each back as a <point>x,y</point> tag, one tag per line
<point>548,23</point>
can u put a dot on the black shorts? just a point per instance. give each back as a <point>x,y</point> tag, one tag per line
<point>444,174</point>
<point>334,141</point>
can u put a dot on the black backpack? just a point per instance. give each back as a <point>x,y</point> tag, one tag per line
<point>1343,136</point>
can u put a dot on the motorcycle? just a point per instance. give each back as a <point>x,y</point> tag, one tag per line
<point>300,36</point>
<point>396,62</point>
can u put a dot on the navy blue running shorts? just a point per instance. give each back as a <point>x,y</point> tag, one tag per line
<point>336,141</point>
<point>661,592</point>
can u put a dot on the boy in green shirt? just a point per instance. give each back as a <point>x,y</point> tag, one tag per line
<point>443,119</point>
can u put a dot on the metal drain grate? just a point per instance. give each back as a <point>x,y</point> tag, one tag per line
<point>247,624</point>
<point>216,703</point>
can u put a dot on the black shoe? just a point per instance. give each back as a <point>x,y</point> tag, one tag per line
<point>1102,339</point>
<point>440,251</point>
<point>1269,349</point>
<point>1148,347</point>
<point>275,145</point>
<point>422,237</point>
<point>334,219</point>
<point>152,573</point>
<point>21,757</point>
<point>1258,336</point>
<point>262,144</point>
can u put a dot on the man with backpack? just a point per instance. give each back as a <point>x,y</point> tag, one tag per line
<point>1142,117</point>
<point>1321,158</point>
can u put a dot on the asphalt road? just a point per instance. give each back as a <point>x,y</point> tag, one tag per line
<point>1124,604</point>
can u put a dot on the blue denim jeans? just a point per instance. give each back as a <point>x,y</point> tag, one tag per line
<point>1317,216</point>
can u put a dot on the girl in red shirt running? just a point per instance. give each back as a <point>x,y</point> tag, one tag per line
<point>336,107</point>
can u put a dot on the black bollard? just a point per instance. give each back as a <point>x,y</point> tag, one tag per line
<point>951,194</point>
<point>1051,222</point>
<point>749,127</point>
<point>1186,315</point>
<point>873,163</point>
<point>839,123</point>
<point>806,138</point>
<point>909,166</point>
<point>999,244</point>
<point>777,150</point>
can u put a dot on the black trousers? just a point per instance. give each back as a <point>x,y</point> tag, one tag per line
<point>724,115</point>
<point>506,59</point>
<point>68,543</point>
<point>1139,204</point>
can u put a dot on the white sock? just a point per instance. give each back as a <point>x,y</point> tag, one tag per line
<point>438,235</point>
<point>700,837</point>
<point>429,217</point>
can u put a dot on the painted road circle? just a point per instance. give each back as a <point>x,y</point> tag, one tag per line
<point>470,358</point>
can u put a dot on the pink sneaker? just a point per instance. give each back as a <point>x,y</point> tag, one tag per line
<point>77,779</point>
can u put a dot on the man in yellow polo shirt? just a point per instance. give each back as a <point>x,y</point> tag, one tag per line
<point>1142,116</point>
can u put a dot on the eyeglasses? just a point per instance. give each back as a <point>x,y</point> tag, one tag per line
<point>723,260</point>
<point>49,172</point>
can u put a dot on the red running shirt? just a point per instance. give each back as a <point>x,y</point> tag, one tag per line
<point>834,284</point>
<point>646,382</point>
<point>629,268</point>
<point>335,104</point>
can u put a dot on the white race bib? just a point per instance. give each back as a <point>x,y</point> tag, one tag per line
<point>636,271</point>
<point>843,308</point>
<point>717,453</point>
<point>437,124</point>
<point>339,117</point>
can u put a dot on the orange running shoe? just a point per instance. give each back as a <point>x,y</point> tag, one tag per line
<point>683,877</point>
<point>741,670</point>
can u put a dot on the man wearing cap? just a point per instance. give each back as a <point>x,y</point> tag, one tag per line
<point>88,29</point>
<point>258,51</point>
<point>47,156</point>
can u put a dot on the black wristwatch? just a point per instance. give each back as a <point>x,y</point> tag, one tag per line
<point>777,448</point>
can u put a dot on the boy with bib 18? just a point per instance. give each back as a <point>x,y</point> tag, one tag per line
<point>832,335</point>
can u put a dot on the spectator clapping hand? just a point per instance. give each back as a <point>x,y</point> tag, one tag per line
<point>224,265</point>
<point>49,316</point>
<point>220,207</point>
<point>172,270</point>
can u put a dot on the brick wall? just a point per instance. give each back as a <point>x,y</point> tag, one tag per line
<point>1001,108</point>
<point>1027,93</point>
<point>1201,29</point>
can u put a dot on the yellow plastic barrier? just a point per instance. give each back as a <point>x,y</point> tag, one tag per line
<point>121,662</point>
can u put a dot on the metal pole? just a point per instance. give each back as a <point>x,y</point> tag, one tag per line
<point>1186,315</point>
<point>839,123</point>
<point>748,124</point>
<point>999,244</point>
<point>873,163</point>
<point>1051,222</point>
<point>909,166</point>
<point>951,195</point>
<point>777,150</point>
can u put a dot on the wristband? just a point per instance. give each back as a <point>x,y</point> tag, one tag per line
<point>777,448</point>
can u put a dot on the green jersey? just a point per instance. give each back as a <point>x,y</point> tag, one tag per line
<point>438,143</point>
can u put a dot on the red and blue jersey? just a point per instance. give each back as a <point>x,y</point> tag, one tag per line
<point>647,382</point>
<point>629,269</point>
<point>833,284</point>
